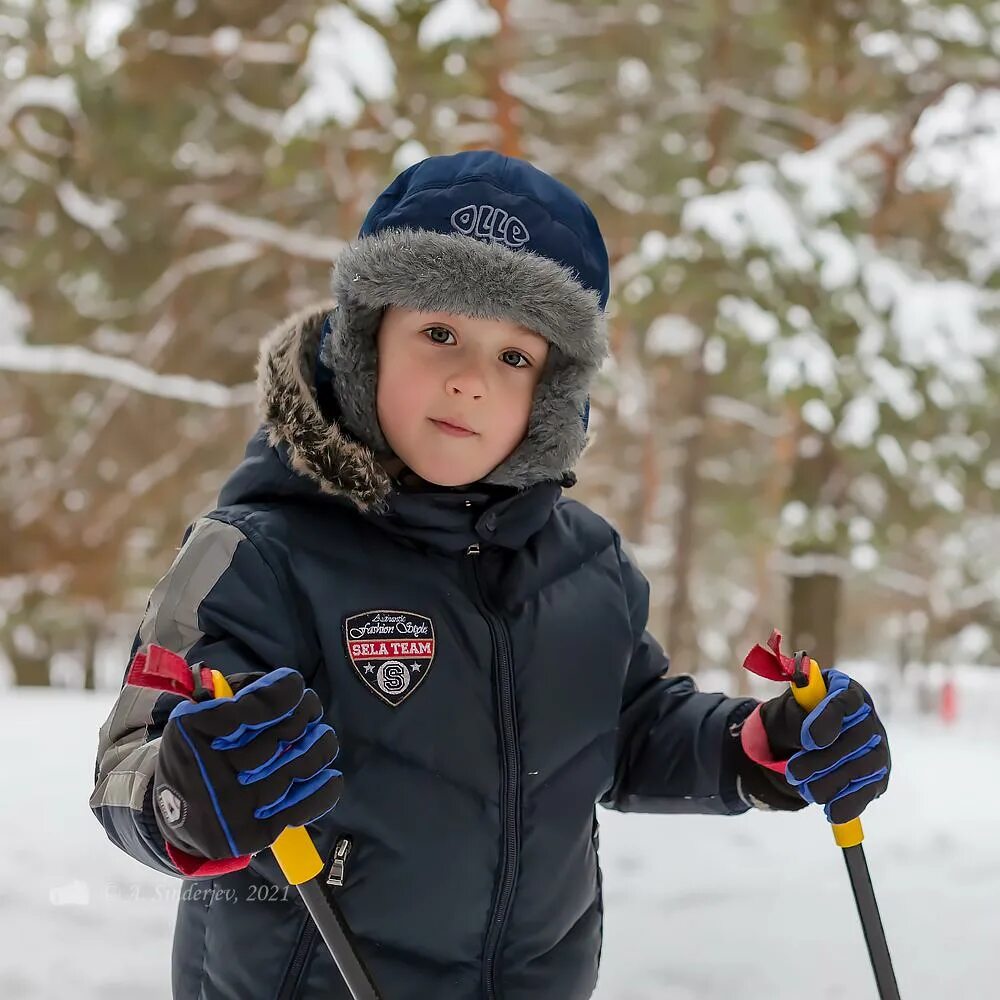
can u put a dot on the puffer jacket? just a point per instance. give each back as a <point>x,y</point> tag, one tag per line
<point>484,659</point>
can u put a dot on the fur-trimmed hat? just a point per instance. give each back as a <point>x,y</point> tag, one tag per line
<point>487,236</point>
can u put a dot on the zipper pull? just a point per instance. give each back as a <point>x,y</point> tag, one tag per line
<point>340,853</point>
<point>473,549</point>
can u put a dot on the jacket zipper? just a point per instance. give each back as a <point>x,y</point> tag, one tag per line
<point>510,780</point>
<point>309,933</point>
<point>303,948</point>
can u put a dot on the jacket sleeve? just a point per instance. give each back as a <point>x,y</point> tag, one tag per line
<point>676,752</point>
<point>221,603</point>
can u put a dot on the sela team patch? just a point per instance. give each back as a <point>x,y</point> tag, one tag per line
<point>392,651</point>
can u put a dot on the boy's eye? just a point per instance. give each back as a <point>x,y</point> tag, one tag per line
<point>439,334</point>
<point>515,359</point>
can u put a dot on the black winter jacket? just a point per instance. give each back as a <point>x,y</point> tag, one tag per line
<point>484,659</point>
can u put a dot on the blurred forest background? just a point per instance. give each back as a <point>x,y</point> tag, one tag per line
<point>799,426</point>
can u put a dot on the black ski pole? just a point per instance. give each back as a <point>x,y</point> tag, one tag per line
<point>809,689</point>
<point>301,864</point>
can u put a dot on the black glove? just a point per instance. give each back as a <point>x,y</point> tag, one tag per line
<point>232,773</point>
<point>837,755</point>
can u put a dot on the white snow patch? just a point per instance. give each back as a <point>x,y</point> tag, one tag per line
<point>104,21</point>
<point>859,422</point>
<point>753,215</point>
<point>822,174</point>
<point>410,152</point>
<point>73,360</point>
<point>55,92</point>
<point>15,318</point>
<point>817,415</point>
<point>448,20</point>
<point>683,894</point>
<point>97,215</point>
<point>759,325</point>
<point>348,63</point>
<point>671,334</point>
<point>802,359</point>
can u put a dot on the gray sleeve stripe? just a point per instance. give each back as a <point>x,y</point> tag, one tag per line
<point>171,619</point>
<point>133,709</point>
<point>126,761</point>
<point>131,715</point>
<point>126,785</point>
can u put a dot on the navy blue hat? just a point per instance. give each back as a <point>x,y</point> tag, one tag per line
<point>489,236</point>
<point>497,198</point>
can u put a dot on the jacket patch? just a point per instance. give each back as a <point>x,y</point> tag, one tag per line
<point>391,651</point>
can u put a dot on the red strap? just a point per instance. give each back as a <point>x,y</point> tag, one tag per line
<point>765,661</point>
<point>770,662</point>
<point>164,670</point>
<point>191,864</point>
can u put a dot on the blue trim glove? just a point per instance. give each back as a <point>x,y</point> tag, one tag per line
<point>838,754</point>
<point>232,773</point>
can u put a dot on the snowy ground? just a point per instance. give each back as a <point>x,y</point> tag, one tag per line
<point>698,908</point>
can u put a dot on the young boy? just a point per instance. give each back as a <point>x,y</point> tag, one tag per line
<point>393,573</point>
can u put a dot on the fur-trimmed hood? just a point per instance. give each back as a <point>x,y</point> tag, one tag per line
<point>318,447</point>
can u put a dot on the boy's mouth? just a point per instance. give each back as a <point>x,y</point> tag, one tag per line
<point>457,430</point>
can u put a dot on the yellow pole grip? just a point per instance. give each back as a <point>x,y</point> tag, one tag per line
<point>809,696</point>
<point>295,852</point>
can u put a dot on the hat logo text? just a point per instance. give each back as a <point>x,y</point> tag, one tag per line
<point>487,222</point>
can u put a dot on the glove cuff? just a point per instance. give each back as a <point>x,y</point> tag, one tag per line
<point>760,774</point>
<point>195,866</point>
<point>755,744</point>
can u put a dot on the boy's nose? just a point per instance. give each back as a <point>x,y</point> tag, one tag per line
<point>468,382</point>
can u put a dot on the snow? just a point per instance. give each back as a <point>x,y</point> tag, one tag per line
<point>104,21</point>
<point>937,323</point>
<point>956,145</point>
<point>859,422</point>
<point>297,243</point>
<point>409,153</point>
<point>804,358</point>
<point>99,216</point>
<point>348,64</point>
<point>754,214</point>
<point>80,361</point>
<point>697,907</point>
<point>448,20</point>
<point>759,325</point>
<point>672,334</point>
<point>15,318</point>
<point>57,93</point>
<point>824,174</point>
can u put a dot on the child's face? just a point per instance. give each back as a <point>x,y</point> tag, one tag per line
<point>440,369</point>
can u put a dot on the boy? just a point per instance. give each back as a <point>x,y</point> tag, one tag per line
<point>393,579</point>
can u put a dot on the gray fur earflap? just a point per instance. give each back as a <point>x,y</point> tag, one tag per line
<point>450,272</point>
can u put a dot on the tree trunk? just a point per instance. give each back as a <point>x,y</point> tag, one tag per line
<point>814,593</point>
<point>814,613</point>
<point>31,668</point>
<point>506,107</point>
<point>682,640</point>
<point>91,641</point>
